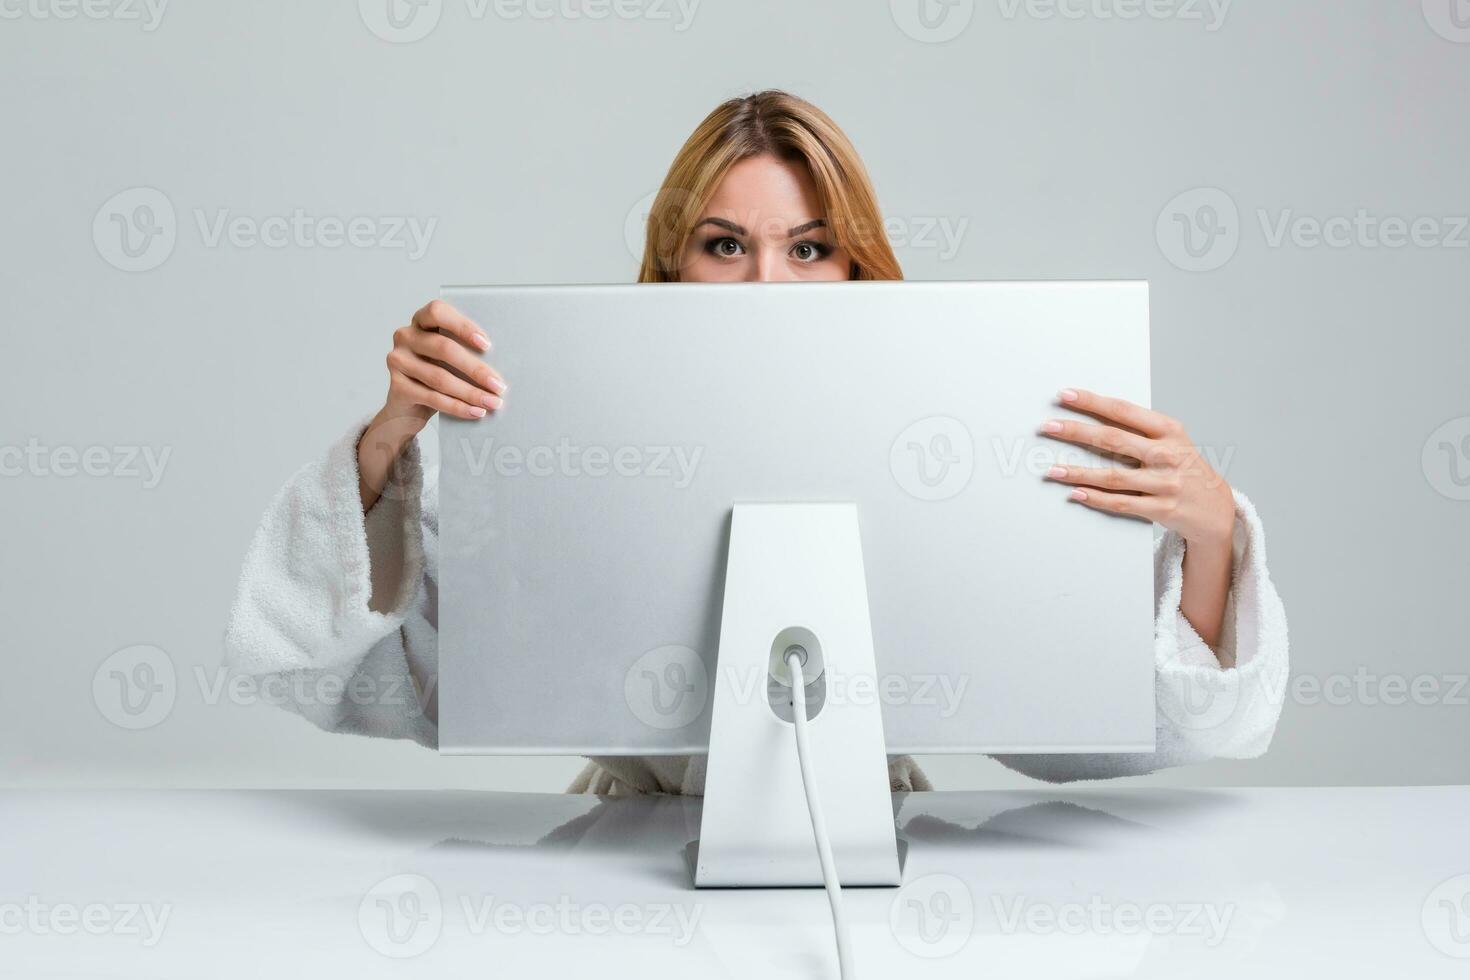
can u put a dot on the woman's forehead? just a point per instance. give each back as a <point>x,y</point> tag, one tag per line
<point>763,190</point>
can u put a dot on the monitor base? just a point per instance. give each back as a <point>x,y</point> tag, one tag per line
<point>795,578</point>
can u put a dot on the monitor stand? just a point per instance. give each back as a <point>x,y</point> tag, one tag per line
<point>795,578</point>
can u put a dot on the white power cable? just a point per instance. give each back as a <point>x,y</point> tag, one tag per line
<point>819,824</point>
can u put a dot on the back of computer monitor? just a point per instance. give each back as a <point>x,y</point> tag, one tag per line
<point>584,527</point>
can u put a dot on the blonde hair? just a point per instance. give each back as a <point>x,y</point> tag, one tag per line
<point>790,128</point>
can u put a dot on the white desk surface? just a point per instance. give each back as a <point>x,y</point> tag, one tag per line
<point>1093,882</point>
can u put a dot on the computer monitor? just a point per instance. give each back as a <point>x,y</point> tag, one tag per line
<point>586,528</point>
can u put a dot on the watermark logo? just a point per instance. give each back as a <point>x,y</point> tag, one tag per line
<point>932,21</point>
<point>933,916</point>
<point>139,687</point>
<point>666,232</point>
<point>1198,700</point>
<point>1446,917</point>
<point>667,687</point>
<point>136,687</point>
<point>934,458</point>
<point>401,21</point>
<point>407,21</point>
<point>635,224</point>
<point>1199,230</point>
<point>1446,459</point>
<point>1450,19</point>
<point>402,916</point>
<point>135,230</point>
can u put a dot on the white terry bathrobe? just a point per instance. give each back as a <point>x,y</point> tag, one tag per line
<point>332,600</point>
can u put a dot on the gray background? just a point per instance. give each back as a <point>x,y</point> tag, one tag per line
<point>1056,142</point>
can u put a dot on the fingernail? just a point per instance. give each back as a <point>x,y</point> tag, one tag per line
<point>478,413</point>
<point>1057,472</point>
<point>490,401</point>
<point>1067,395</point>
<point>1052,426</point>
<point>482,341</point>
<point>495,384</point>
<point>1079,494</point>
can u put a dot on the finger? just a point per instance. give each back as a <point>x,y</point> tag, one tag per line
<point>1135,417</point>
<point>450,353</point>
<point>1127,504</point>
<point>1103,437</point>
<point>439,315</point>
<point>435,377</point>
<point>440,402</point>
<point>1110,478</point>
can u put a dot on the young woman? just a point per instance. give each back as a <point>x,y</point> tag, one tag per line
<point>339,586</point>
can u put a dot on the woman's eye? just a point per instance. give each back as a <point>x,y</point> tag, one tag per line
<point>725,248</point>
<point>810,251</point>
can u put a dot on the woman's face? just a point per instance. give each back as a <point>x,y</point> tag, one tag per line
<point>765,223</point>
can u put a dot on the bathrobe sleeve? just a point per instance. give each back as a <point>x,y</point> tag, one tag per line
<point>334,616</point>
<point>1204,711</point>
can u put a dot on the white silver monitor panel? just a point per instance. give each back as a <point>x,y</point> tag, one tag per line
<point>584,528</point>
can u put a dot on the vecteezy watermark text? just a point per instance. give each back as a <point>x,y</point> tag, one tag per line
<point>39,918</point>
<point>137,229</point>
<point>407,21</point>
<point>677,464</point>
<point>147,13</point>
<point>1201,229</point>
<point>937,21</point>
<point>404,915</point>
<point>34,459</point>
<point>942,692</point>
<point>1099,916</point>
<point>298,229</point>
<point>138,687</point>
<point>1210,13</point>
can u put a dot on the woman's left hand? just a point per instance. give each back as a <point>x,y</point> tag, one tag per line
<point>1172,485</point>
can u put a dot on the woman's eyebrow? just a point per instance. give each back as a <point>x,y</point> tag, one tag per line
<point>722,223</point>
<point>802,229</point>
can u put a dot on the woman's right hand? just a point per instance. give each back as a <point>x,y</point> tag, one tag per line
<point>431,368</point>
